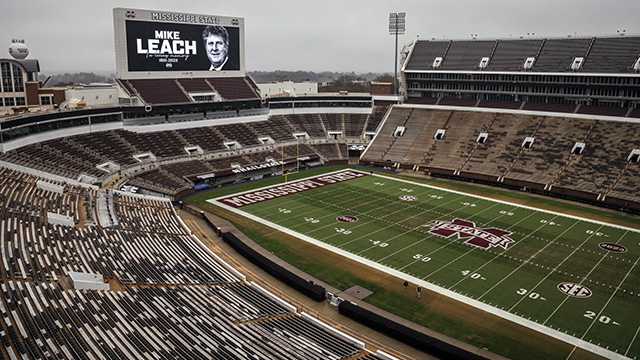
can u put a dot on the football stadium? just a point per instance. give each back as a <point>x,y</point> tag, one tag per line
<point>484,205</point>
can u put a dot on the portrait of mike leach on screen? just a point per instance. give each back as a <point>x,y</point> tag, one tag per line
<point>154,46</point>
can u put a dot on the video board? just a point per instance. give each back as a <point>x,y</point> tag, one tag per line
<point>157,44</point>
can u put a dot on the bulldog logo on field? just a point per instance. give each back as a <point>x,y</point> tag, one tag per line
<point>347,218</point>
<point>408,198</point>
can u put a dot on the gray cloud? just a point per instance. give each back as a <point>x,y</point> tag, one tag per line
<point>77,35</point>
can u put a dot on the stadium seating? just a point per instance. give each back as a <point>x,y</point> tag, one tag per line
<point>558,54</point>
<point>175,299</point>
<point>509,55</point>
<point>462,131</point>
<point>601,169</point>
<point>376,117</point>
<point>612,55</point>
<point>311,124</point>
<point>551,151</point>
<point>75,155</point>
<point>173,91</point>
<point>424,52</point>
<point>195,85</point>
<point>233,88</point>
<point>354,124</point>
<point>159,91</point>
<point>466,55</point>
<point>604,158</point>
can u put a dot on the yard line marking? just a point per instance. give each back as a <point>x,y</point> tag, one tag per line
<point>474,248</point>
<point>392,223</point>
<point>584,278</point>
<point>443,245</point>
<point>632,341</point>
<point>526,261</point>
<point>313,209</point>
<point>416,227</point>
<point>605,306</point>
<point>493,309</point>
<point>272,206</point>
<point>553,271</point>
<point>397,224</point>
<point>504,251</point>
<point>568,216</point>
<point>373,218</point>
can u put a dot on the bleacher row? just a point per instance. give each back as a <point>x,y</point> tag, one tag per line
<point>75,155</point>
<point>560,106</point>
<point>601,170</point>
<point>173,178</point>
<point>601,54</point>
<point>175,299</point>
<point>169,91</point>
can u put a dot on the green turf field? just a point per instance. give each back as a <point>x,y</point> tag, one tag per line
<point>573,279</point>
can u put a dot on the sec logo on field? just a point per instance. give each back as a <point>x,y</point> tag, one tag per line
<point>575,290</point>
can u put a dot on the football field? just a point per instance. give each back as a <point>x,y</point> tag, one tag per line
<point>574,279</point>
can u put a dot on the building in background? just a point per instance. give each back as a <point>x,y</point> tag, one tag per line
<point>91,95</point>
<point>287,88</point>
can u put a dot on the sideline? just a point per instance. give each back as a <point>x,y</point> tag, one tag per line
<point>427,285</point>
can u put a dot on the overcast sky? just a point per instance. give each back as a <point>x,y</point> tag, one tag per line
<point>335,35</point>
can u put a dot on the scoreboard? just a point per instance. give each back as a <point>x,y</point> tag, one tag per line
<point>161,44</point>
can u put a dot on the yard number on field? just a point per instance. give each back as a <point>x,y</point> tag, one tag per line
<point>602,318</point>
<point>311,220</point>
<point>596,233</point>
<point>284,211</point>
<point>549,222</point>
<point>343,231</point>
<point>378,243</point>
<point>420,257</point>
<point>474,276</point>
<point>532,295</point>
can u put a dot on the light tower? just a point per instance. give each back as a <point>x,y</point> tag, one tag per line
<point>397,26</point>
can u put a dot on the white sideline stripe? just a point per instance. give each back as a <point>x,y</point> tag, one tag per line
<point>275,298</point>
<point>632,341</point>
<point>572,340</point>
<point>337,332</point>
<point>427,285</point>
<point>507,203</point>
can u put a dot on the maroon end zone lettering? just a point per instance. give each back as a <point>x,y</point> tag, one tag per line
<point>291,188</point>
